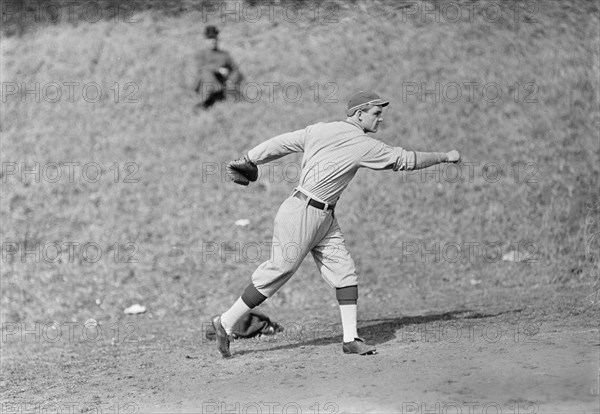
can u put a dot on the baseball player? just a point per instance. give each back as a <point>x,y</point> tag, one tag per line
<point>305,222</point>
<point>217,69</point>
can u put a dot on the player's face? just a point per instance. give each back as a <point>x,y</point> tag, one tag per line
<point>371,119</point>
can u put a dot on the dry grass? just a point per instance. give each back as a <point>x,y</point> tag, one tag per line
<point>175,204</point>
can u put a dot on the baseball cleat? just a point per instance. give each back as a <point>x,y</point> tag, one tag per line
<point>222,337</point>
<point>359,347</point>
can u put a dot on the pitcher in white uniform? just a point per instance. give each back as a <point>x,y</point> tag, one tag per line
<point>305,222</point>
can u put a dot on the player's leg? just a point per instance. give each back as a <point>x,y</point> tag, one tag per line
<point>210,88</point>
<point>337,269</point>
<point>295,229</point>
<point>212,98</point>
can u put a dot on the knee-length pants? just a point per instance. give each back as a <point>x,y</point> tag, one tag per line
<point>299,229</point>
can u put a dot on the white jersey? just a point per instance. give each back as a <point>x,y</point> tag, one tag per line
<point>333,153</point>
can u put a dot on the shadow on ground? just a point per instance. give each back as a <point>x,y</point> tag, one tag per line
<point>379,331</point>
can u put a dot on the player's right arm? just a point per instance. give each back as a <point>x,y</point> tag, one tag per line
<point>278,147</point>
<point>422,160</point>
<point>381,156</point>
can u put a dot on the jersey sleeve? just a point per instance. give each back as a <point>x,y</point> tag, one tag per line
<point>380,156</point>
<point>278,146</point>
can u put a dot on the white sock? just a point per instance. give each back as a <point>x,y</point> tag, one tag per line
<point>348,313</point>
<point>233,315</point>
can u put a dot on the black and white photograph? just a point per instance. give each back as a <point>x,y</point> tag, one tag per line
<point>300,206</point>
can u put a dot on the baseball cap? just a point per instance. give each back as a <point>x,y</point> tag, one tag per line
<point>211,32</point>
<point>363,98</point>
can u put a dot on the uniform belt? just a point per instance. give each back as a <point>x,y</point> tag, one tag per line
<point>314,203</point>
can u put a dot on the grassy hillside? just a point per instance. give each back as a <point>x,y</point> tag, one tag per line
<point>167,210</point>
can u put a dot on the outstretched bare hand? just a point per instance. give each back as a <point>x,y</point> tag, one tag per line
<point>453,156</point>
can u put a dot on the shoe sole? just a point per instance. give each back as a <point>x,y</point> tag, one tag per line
<point>373,352</point>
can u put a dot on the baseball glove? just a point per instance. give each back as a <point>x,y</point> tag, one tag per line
<point>242,171</point>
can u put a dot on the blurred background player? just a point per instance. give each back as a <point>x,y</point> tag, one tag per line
<point>217,72</point>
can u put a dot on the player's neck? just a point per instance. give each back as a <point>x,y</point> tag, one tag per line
<point>355,123</point>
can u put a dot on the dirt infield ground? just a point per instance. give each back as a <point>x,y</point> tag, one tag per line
<point>525,353</point>
<point>479,283</point>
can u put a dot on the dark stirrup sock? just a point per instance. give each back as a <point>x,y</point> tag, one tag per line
<point>252,297</point>
<point>347,295</point>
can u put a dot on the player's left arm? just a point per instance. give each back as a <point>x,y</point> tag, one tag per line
<point>244,170</point>
<point>278,147</point>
